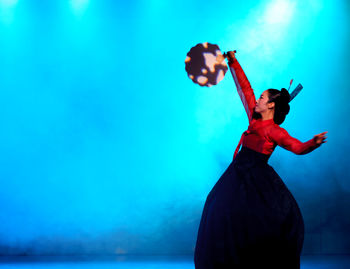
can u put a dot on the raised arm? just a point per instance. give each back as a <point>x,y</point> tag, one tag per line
<point>244,88</point>
<point>283,139</point>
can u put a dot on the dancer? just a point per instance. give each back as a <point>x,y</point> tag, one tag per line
<point>250,218</point>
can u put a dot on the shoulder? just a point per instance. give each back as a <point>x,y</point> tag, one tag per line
<point>276,131</point>
<point>276,128</point>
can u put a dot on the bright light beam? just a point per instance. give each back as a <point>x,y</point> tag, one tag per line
<point>7,10</point>
<point>7,3</point>
<point>79,6</point>
<point>279,12</point>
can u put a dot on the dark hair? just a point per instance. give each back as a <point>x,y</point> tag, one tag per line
<point>281,99</point>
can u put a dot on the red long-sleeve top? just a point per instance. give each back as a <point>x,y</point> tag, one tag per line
<point>263,135</point>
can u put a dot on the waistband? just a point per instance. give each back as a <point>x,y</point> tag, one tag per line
<point>247,154</point>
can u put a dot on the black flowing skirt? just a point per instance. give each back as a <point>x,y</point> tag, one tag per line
<point>250,219</point>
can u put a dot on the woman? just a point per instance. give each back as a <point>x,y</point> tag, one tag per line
<point>250,219</point>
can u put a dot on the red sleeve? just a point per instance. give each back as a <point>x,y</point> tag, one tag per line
<point>244,89</point>
<point>283,139</point>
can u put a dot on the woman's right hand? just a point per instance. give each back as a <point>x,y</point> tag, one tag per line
<point>231,56</point>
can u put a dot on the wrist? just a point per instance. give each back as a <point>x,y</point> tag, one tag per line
<point>231,61</point>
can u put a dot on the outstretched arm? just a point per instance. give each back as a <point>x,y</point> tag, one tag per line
<point>244,88</point>
<point>283,139</point>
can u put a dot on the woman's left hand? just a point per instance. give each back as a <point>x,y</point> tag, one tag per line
<point>320,138</point>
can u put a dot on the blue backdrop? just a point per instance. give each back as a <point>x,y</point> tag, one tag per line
<point>107,147</point>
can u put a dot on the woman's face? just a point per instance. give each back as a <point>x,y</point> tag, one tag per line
<point>262,103</point>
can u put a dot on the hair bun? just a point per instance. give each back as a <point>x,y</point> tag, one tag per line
<point>285,96</point>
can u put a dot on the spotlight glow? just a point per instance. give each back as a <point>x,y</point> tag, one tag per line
<point>279,12</point>
<point>8,3</point>
<point>7,10</point>
<point>79,6</point>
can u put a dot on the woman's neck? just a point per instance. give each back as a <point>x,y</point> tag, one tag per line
<point>267,115</point>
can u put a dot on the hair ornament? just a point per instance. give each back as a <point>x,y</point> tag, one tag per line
<point>296,91</point>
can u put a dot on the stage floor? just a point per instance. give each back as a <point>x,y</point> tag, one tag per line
<point>147,262</point>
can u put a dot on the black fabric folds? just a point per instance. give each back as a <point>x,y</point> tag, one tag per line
<point>250,219</point>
